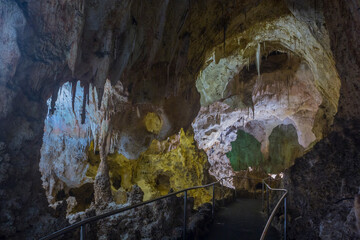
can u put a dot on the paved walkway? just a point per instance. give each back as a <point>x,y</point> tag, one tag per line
<point>240,220</point>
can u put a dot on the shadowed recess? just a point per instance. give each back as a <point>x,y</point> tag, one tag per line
<point>245,152</point>
<point>283,148</point>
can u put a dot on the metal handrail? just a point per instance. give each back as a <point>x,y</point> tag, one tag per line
<point>82,223</point>
<point>283,197</point>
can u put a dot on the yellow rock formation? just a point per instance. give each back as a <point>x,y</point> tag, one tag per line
<point>153,122</point>
<point>175,163</point>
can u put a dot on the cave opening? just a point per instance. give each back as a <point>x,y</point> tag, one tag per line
<point>272,101</point>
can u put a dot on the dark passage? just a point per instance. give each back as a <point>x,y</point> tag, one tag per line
<point>241,220</point>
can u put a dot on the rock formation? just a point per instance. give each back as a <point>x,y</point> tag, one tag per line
<point>75,155</point>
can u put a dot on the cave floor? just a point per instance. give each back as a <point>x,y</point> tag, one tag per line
<point>241,220</point>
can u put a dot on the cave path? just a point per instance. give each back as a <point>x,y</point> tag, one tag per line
<point>240,220</point>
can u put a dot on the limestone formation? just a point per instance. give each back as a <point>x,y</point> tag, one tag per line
<point>99,153</point>
<point>285,94</point>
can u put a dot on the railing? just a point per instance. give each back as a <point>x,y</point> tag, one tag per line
<point>283,197</point>
<point>83,223</point>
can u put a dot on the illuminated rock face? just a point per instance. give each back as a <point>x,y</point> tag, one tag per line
<point>174,164</point>
<point>284,94</point>
<point>64,143</point>
<point>70,159</point>
<point>275,72</point>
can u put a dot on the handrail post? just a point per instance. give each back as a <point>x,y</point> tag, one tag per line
<point>213,200</point>
<point>262,195</point>
<point>235,188</point>
<point>268,200</point>
<point>82,232</point>
<point>222,192</point>
<point>285,218</point>
<point>185,210</point>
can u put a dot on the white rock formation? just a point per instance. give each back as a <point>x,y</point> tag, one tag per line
<point>216,125</point>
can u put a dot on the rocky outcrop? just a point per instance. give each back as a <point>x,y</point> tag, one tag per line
<point>332,164</point>
<point>321,209</point>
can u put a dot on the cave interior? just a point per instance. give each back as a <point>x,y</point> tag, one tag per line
<point>107,104</point>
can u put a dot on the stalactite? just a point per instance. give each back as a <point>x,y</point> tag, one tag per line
<point>224,37</point>
<point>85,97</point>
<point>54,96</point>
<point>288,89</point>
<point>100,93</point>
<point>253,109</point>
<point>88,95</point>
<point>137,112</point>
<point>73,92</point>
<point>258,59</point>
<point>53,100</point>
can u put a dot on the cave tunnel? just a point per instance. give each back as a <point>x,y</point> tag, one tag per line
<point>109,104</point>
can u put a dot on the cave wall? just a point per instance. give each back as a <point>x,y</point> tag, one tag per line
<point>333,163</point>
<point>23,111</point>
<point>47,43</point>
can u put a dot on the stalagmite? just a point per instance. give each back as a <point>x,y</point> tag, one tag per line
<point>102,186</point>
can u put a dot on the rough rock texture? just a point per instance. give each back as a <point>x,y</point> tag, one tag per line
<point>102,185</point>
<point>313,207</point>
<point>158,220</point>
<point>333,164</point>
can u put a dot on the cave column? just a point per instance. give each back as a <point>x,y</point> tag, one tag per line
<point>102,186</point>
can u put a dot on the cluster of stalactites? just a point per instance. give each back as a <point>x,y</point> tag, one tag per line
<point>95,111</point>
